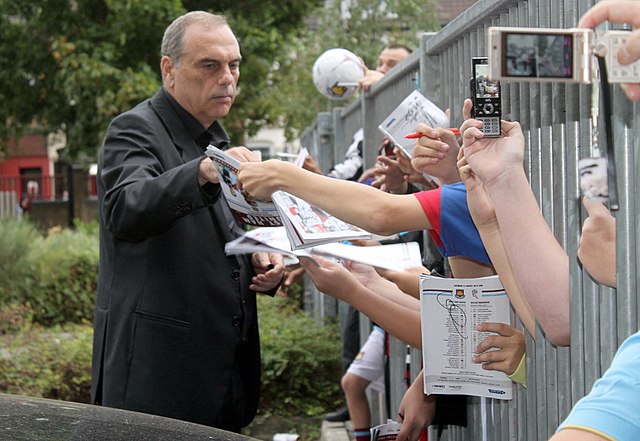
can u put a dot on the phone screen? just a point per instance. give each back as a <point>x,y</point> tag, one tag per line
<point>484,88</point>
<point>537,55</point>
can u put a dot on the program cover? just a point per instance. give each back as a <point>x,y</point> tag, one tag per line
<point>308,225</point>
<point>414,109</point>
<point>245,208</point>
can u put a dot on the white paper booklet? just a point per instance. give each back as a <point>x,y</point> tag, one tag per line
<point>394,256</point>
<point>308,225</point>
<point>245,208</point>
<point>386,432</point>
<point>397,256</point>
<point>450,310</point>
<point>412,110</point>
<point>267,239</point>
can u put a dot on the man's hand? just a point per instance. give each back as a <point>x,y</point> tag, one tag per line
<point>370,78</point>
<point>390,176</point>
<point>408,280</point>
<point>597,249</point>
<point>311,165</point>
<point>619,11</point>
<point>269,269</point>
<point>492,158</point>
<point>207,171</point>
<point>416,411</point>
<point>436,146</point>
<point>292,274</point>
<point>330,277</point>
<point>261,179</point>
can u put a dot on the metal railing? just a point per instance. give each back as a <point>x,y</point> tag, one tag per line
<point>558,132</point>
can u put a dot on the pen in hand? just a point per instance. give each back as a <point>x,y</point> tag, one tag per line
<point>416,135</point>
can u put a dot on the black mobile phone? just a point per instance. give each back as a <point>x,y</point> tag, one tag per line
<point>485,94</point>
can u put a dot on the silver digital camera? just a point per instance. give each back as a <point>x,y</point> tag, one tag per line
<point>556,55</point>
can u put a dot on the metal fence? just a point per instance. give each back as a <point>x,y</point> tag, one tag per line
<point>556,120</point>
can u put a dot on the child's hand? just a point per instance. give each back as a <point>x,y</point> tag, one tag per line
<point>510,345</point>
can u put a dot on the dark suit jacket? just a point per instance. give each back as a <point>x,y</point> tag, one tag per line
<point>175,322</point>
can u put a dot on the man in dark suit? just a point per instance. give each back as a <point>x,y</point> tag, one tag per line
<point>176,330</point>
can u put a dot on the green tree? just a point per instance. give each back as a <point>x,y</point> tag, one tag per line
<point>72,65</point>
<point>365,29</point>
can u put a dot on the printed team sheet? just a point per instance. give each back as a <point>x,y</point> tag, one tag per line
<point>450,311</point>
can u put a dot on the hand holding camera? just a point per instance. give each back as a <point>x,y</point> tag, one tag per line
<point>492,158</point>
<point>558,55</point>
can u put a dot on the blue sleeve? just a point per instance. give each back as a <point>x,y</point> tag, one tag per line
<point>612,408</point>
<point>457,230</point>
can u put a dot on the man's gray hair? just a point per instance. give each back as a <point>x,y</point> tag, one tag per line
<point>173,39</point>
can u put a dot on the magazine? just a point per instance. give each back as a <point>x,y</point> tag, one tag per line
<point>450,310</point>
<point>246,209</point>
<point>305,224</point>
<point>414,109</point>
<point>308,225</point>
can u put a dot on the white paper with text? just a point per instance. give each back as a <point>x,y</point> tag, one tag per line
<point>414,109</point>
<point>450,311</point>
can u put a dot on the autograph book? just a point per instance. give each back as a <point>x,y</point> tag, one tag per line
<point>450,310</point>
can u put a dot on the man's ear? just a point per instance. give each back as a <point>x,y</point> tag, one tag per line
<point>167,68</point>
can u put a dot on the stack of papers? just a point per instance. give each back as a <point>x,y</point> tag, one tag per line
<point>396,257</point>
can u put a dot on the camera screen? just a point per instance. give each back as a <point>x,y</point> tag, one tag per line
<point>484,87</point>
<point>537,55</point>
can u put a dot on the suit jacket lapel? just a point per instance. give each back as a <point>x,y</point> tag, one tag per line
<point>182,141</point>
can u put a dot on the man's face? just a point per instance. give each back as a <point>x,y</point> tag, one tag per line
<point>389,58</point>
<point>204,82</point>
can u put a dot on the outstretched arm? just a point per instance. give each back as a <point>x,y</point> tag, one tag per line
<point>357,204</point>
<point>333,279</point>
<point>484,217</point>
<point>416,410</point>
<point>539,263</point>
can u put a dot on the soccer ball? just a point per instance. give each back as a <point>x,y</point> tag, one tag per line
<point>336,73</point>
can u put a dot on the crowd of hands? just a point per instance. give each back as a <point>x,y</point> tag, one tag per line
<point>502,206</point>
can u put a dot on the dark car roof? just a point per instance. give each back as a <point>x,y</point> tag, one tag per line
<point>40,419</point>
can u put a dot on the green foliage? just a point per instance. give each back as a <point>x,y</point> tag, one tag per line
<point>15,317</point>
<point>301,362</point>
<point>89,60</point>
<point>50,363</point>
<point>45,338</point>
<point>75,65</point>
<point>55,276</point>
<point>17,269</point>
<point>369,26</point>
